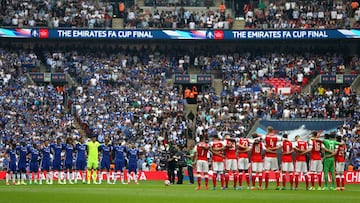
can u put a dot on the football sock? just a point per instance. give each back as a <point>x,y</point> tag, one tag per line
<point>260,180</point>
<point>319,178</point>
<point>199,181</point>
<point>222,180</point>
<point>227,179</point>
<point>214,179</point>
<point>247,176</point>
<point>337,180</point>
<point>235,175</point>
<point>277,177</point>
<point>206,180</point>
<point>284,180</point>
<point>253,179</point>
<point>266,179</point>
<point>332,179</point>
<point>240,179</point>
<point>297,180</point>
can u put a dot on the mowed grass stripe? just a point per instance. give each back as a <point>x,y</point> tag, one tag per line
<point>155,191</point>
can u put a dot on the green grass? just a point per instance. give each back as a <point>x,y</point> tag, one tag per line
<point>155,191</point>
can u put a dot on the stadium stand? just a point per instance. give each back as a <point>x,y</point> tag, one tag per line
<point>29,112</point>
<point>123,93</point>
<point>298,14</point>
<point>177,18</point>
<point>68,13</point>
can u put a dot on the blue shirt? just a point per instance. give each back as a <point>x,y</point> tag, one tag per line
<point>69,149</point>
<point>105,149</point>
<point>12,154</point>
<point>133,154</point>
<point>22,151</point>
<point>57,149</point>
<point>80,149</point>
<point>120,153</point>
<point>34,155</point>
<point>46,153</point>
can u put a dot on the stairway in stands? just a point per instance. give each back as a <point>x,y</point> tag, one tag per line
<point>238,24</point>
<point>118,23</point>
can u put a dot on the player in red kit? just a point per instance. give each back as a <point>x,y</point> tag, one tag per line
<point>230,160</point>
<point>202,163</point>
<point>340,164</point>
<point>287,165</point>
<point>301,148</point>
<point>257,161</point>
<point>316,165</point>
<point>270,160</point>
<point>217,149</point>
<point>243,161</point>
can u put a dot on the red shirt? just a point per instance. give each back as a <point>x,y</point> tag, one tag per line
<point>286,148</point>
<point>217,145</point>
<point>270,142</point>
<point>340,154</point>
<point>230,150</point>
<point>243,142</point>
<point>256,152</point>
<point>315,153</point>
<point>201,152</point>
<point>302,145</point>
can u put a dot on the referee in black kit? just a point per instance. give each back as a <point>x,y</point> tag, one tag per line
<point>171,162</point>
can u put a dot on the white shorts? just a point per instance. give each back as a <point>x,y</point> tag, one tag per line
<point>339,166</point>
<point>287,166</point>
<point>300,166</point>
<point>218,166</point>
<point>243,163</point>
<point>257,167</point>
<point>316,166</point>
<point>231,164</point>
<point>271,163</point>
<point>202,166</point>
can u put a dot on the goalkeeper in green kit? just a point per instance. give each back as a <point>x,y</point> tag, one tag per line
<point>329,146</point>
<point>93,159</point>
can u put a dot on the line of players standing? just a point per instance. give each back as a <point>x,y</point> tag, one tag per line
<point>232,155</point>
<point>43,160</point>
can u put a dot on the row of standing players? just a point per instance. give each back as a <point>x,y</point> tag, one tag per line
<point>235,153</point>
<point>44,159</point>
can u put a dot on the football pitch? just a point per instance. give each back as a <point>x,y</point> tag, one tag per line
<point>155,191</point>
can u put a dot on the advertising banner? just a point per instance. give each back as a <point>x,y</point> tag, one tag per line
<point>67,33</point>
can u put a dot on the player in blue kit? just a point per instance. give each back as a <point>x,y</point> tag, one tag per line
<point>105,159</point>
<point>69,151</point>
<point>34,163</point>
<point>10,157</point>
<point>22,151</point>
<point>132,154</point>
<point>46,162</point>
<point>81,159</point>
<point>57,148</point>
<point>120,152</point>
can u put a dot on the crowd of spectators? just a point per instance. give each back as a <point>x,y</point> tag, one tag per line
<point>29,112</point>
<point>176,17</point>
<point>280,14</point>
<point>155,3</point>
<point>54,14</point>
<point>123,94</point>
